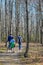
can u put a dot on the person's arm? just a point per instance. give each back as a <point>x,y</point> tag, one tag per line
<point>17,39</point>
<point>21,39</point>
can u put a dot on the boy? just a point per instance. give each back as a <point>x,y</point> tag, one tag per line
<point>12,44</point>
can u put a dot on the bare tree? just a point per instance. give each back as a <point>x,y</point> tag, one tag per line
<point>6,18</point>
<point>40,21</point>
<point>0,22</point>
<point>42,31</point>
<point>37,28</point>
<point>10,14</point>
<point>27,31</point>
<point>17,4</point>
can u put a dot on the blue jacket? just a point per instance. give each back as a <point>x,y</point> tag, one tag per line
<point>19,39</point>
<point>10,38</point>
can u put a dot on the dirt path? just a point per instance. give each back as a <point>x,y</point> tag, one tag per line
<point>7,58</point>
<point>10,58</point>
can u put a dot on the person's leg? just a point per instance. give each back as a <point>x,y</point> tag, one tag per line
<point>13,50</point>
<point>9,48</point>
<point>20,46</point>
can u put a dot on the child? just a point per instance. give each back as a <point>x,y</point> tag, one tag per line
<point>12,45</point>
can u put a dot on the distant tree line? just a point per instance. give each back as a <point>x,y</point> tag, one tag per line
<point>16,14</point>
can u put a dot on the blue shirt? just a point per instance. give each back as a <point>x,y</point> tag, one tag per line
<point>12,41</point>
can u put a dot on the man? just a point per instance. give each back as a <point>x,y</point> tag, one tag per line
<point>19,41</point>
<point>10,37</point>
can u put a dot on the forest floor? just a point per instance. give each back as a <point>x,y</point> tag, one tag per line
<point>35,55</point>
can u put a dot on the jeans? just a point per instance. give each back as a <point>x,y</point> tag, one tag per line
<point>19,46</point>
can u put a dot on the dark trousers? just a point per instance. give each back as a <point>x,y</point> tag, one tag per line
<point>19,46</point>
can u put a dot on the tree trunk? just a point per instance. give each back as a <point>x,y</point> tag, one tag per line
<point>0,22</point>
<point>27,31</point>
<point>17,4</point>
<point>6,18</point>
<point>10,15</point>
<point>40,15</point>
<point>37,27</point>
